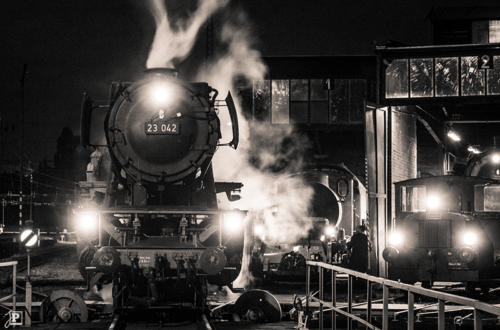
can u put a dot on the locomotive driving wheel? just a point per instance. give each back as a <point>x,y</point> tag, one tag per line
<point>63,306</point>
<point>257,306</point>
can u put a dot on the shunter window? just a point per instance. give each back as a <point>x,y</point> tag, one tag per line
<point>491,199</point>
<point>413,199</point>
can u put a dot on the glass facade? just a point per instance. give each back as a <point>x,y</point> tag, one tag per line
<point>441,77</point>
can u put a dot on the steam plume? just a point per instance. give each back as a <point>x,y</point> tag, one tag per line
<point>272,154</point>
<point>175,41</point>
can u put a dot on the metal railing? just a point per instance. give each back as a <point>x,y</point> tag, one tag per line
<point>477,306</point>
<point>13,295</point>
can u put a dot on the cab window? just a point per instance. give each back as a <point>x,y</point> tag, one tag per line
<point>413,199</point>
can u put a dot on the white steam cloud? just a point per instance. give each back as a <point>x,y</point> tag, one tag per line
<point>175,41</point>
<point>270,151</point>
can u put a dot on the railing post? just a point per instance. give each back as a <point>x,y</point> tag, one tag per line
<point>441,322</point>
<point>385,312</point>
<point>478,319</point>
<point>334,299</point>
<point>369,298</point>
<point>27,319</point>
<point>14,284</point>
<point>349,300</point>
<point>308,282</point>
<point>320,270</point>
<point>411,310</point>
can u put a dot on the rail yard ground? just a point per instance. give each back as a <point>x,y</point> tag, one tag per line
<point>60,272</point>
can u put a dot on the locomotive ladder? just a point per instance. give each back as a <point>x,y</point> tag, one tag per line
<point>476,306</point>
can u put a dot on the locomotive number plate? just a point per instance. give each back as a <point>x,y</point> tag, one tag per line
<point>162,128</point>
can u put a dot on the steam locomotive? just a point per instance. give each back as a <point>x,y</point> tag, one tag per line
<point>338,206</point>
<point>154,233</point>
<point>447,228</point>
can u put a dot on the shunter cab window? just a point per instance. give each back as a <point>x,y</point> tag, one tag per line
<point>413,199</point>
<point>492,198</point>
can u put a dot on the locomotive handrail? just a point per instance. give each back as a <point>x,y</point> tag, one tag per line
<point>477,305</point>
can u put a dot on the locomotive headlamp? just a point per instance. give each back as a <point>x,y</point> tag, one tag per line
<point>161,92</point>
<point>433,202</point>
<point>496,158</point>
<point>258,230</point>
<point>330,230</point>
<point>470,238</point>
<point>87,221</point>
<point>395,239</point>
<point>233,222</point>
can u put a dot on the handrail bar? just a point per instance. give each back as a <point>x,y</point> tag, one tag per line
<point>442,297</point>
<point>14,279</point>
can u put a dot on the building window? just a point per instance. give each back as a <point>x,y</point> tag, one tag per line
<point>310,101</point>
<point>441,77</point>
<point>494,32</point>
<point>421,74</point>
<point>472,78</point>
<point>446,76</point>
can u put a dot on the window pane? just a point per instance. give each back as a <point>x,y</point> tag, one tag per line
<point>299,112</point>
<point>318,93</point>
<point>413,199</point>
<point>446,76</point>
<point>494,35</point>
<point>472,78</point>
<point>319,112</point>
<point>357,96</point>
<point>339,102</point>
<point>396,79</point>
<point>421,74</point>
<point>492,198</point>
<point>494,77</point>
<point>261,100</point>
<point>280,96</point>
<point>300,90</point>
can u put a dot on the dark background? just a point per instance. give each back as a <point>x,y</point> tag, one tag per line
<point>74,46</point>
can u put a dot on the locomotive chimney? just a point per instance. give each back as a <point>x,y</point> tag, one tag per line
<point>169,72</point>
<point>496,141</point>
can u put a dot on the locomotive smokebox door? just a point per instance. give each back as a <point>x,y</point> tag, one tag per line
<point>163,128</point>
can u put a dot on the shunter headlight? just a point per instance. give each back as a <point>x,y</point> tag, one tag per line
<point>470,238</point>
<point>433,202</point>
<point>395,238</point>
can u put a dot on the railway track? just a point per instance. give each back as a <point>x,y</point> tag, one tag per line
<point>36,257</point>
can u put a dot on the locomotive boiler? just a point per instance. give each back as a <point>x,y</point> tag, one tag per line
<point>447,228</point>
<point>154,232</point>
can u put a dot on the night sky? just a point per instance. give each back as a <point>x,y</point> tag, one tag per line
<point>74,46</point>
